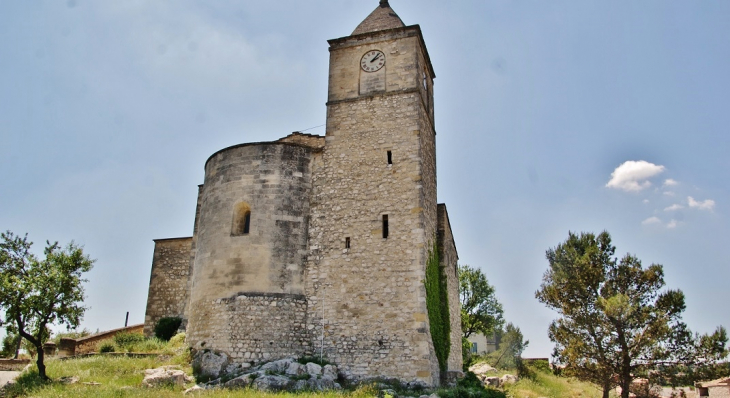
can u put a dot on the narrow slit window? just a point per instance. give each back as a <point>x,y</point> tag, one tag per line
<point>347,243</point>
<point>246,222</point>
<point>385,226</point>
<point>390,157</point>
<point>241,219</point>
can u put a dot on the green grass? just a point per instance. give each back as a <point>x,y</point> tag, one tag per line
<point>545,384</point>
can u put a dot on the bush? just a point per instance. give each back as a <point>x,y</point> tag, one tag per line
<point>471,387</point>
<point>167,327</point>
<point>314,359</point>
<point>126,339</point>
<point>106,346</point>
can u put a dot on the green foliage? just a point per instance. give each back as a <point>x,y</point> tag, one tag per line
<point>313,359</point>
<point>615,318</point>
<point>470,387</point>
<point>511,346</point>
<point>481,312</point>
<point>36,293</point>
<point>10,345</point>
<point>126,339</point>
<point>437,302</point>
<point>106,346</point>
<point>466,355</point>
<point>167,327</point>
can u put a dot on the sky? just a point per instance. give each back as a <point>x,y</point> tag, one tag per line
<point>551,116</point>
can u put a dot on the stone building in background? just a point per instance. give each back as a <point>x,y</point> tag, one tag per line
<point>311,244</point>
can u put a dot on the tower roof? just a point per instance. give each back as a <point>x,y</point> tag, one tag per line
<point>381,19</point>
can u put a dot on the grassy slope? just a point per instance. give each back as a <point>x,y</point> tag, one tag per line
<point>545,384</point>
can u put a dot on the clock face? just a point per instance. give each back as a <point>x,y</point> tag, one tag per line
<point>372,61</point>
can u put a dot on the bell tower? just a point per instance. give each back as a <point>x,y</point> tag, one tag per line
<point>373,208</point>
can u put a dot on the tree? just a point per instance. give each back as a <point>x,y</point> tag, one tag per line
<point>11,344</point>
<point>36,293</point>
<point>512,343</point>
<point>615,321</point>
<point>480,310</point>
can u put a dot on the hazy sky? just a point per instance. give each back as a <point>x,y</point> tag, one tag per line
<point>551,116</point>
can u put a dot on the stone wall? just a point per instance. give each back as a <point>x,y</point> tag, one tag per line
<point>258,327</point>
<point>14,365</point>
<point>70,347</point>
<point>168,292</point>
<point>272,181</point>
<point>449,260</point>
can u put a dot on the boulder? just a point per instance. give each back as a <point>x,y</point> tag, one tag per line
<point>194,389</point>
<point>210,364</point>
<point>237,368</point>
<point>329,372</point>
<point>508,379</point>
<point>166,375</point>
<point>492,381</point>
<point>321,384</point>
<point>296,369</point>
<point>313,369</point>
<point>240,381</point>
<point>272,383</point>
<point>481,368</point>
<point>279,366</point>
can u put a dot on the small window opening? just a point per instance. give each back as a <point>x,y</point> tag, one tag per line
<point>385,226</point>
<point>390,157</point>
<point>473,348</point>
<point>241,219</point>
<point>347,243</point>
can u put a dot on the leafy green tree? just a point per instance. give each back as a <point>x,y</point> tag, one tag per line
<point>36,293</point>
<point>480,310</point>
<point>512,344</point>
<point>11,344</point>
<point>615,320</point>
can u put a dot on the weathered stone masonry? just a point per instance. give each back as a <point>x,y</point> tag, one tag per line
<point>168,291</point>
<point>316,244</point>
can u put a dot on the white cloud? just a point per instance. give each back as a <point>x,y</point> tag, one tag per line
<point>633,176</point>
<point>672,224</point>
<point>651,221</point>
<point>674,207</point>
<point>670,182</point>
<point>646,201</point>
<point>668,193</point>
<point>708,204</point>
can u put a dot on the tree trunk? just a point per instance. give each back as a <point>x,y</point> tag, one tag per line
<point>606,390</point>
<point>39,362</point>
<point>17,347</point>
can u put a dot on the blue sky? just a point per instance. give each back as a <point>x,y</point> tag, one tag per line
<point>108,111</point>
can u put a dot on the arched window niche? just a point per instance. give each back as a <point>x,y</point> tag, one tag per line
<point>241,219</point>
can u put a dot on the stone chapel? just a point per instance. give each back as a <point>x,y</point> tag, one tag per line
<point>319,244</point>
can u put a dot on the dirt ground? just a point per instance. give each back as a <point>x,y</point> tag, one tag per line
<point>6,376</point>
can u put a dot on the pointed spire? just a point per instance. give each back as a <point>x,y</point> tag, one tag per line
<point>381,19</point>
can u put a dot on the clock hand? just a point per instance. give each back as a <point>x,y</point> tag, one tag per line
<point>376,57</point>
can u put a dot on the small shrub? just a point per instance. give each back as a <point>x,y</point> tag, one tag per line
<point>167,327</point>
<point>463,392</point>
<point>106,346</point>
<point>177,340</point>
<point>321,362</point>
<point>126,339</point>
